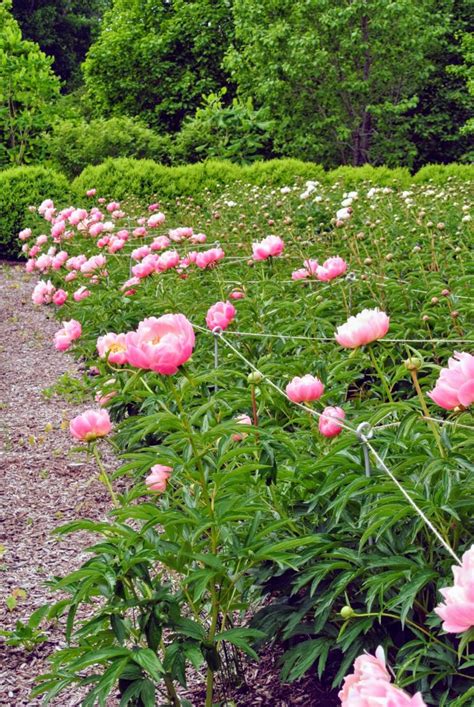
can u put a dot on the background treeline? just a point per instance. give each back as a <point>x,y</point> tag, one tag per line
<point>338,82</point>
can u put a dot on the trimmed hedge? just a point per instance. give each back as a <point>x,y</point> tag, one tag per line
<point>21,187</point>
<point>145,179</point>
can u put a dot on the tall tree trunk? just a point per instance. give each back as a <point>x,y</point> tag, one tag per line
<point>363,134</point>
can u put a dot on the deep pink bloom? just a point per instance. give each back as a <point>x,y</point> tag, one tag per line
<point>162,344</point>
<point>71,331</point>
<point>237,294</point>
<point>113,347</point>
<point>455,385</point>
<point>457,610</point>
<point>167,260</point>
<point>370,685</point>
<point>141,252</point>
<point>305,389</point>
<point>158,477</point>
<point>208,258</point>
<point>220,315</point>
<point>369,325</point>
<point>90,425</point>
<point>331,268</point>
<point>59,297</point>
<point>241,420</point>
<point>329,422</point>
<point>269,247</point>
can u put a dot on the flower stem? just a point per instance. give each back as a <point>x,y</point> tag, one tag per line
<point>426,412</point>
<point>381,374</point>
<point>104,477</point>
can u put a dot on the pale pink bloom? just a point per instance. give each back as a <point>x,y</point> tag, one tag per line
<point>457,610</point>
<point>58,229</point>
<point>198,238</point>
<point>34,250</point>
<point>91,192</point>
<point>161,344</point>
<point>331,268</point>
<point>370,685</point>
<point>132,282</point>
<point>25,234</point>
<point>49,214</point>
<point>237,294</point>
<point>241,420</point>
<point>153,207</point>
<point>311,266</point>
<point>96,262</point>
<point>30,265</point>
<point>71,331</point>
<point>44,262</point>
<point>43,292</point>
<point>455,385</point>
<point>96,214</point>
<point>158,477</point>
<point>101,200</point>
<point>301,274</point>
<point>46,204</point>
<point>208,258</point>
<point>148,265</point>
<point>156,220</point>
<point>96,229</point>
<point>103,398</point>
<point>167,260</point>
<point>109,226</point>
<point>75,262</point>
<point>113,347</point>
<point>41,240</point>
<point>329,422</point>
<point>59,260</point>
<point>59,297</point>
<point>71,276</point>
<point>160,243</point>
<point>140,252</point>
<point>179,234</point>
<point>115,244</point>
<point>305,389</point>
<point>81,294</point>
<point>220,315</point>
<point>113,206</point>
<point>118,214</point>
<point>77,216</point>
<point>102,242</point>
<point>269,247</point>
<point>90,425</point>
<point>123,234</point>
<point>139,231</point>
<point>369,325</point>
<point>344,214</point>
<point>141,221</point>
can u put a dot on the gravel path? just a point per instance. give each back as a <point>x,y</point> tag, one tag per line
<point>43,482</point>
<point>44,485</point>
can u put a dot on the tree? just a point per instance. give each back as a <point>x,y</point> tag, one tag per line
<point>155,59</point>
<point>64,29</point>
<point>338,77</point>
<point>27,88</point>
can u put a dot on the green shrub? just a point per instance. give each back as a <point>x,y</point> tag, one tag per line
<point>380,176</point>
<point>282,172</point>
<point>439,173</point>
<point>73,145</point>
<point>21,187</point>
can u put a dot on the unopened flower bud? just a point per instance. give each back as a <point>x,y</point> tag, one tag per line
<point>347,612</point>
<point>416,249</point>
<point>434,300</point>
<point>368,261</point>
<point>445,292</point>
<point>255,377</point>
<point>414,363</point>
<point>454,314</point>
<point>389,257</point>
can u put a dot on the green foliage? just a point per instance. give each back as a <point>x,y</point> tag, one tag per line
<point>236,132</point>
<point>28,87</point>
<point>73,145</point>
<point>21,187</point>
<point>156,60</point>
<point>338,78</point>
<point>64,29</point>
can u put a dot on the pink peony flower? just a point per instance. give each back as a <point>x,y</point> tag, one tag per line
<point>140,253</point>
<point>156,220</point>
<point>167,260</point>
<point>96,229</point>
<point>369,325</point>
<point>370,685</point>
<point>455,385</point>
<point>305,389</point>
<point>162,344</point>
<point>113,206</point>
<point>220,315</point>
<point>329,421</point>
<point>241,420</point>
<point>90,425</point>
<point>81,294</point>
<point>158,477</point>
<point>60,297</point>
<point>25,234</point>
<point>139,231</point>
<point>208,258</point>
<point>457,610</point>
<point>113,347</point>
<point>331,268</point>
<point>301,274</point>
<point>71,331</point>
<point>160,243</point>
<point>91,192</point>
<point>269,247</point>
<point>237,294</point>
<point>198,238</point>
<point>43,292</point>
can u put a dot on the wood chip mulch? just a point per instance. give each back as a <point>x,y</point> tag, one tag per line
<point>44,484</point>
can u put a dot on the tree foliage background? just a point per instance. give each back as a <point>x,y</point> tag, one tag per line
<point>346,82</point>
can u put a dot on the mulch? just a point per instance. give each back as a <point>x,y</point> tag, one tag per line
<point>46,483</point>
